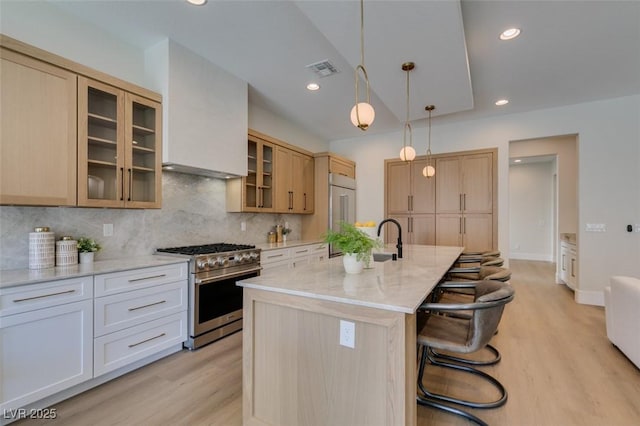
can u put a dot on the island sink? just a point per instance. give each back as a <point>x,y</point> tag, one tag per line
<point>382,257</point>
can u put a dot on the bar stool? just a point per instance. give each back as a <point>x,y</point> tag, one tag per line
<point>462,336</point>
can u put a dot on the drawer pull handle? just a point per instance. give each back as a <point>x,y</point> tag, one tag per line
<point>147,340</point>
<point>275,255</point>
<point>43,296</point>
<point>146,306</point>
<point>148,278</point>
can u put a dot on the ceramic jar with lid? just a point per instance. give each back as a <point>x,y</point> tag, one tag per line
<point>66,252</point>
<point>42,248</point>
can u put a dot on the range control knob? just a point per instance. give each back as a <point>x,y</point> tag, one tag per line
<point>253,255</point>
<point>202,264</point>
<point>245,257</point>
<point>212,262</point>
<point>222,261</point>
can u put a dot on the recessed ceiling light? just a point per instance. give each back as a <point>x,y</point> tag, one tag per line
<point>313,86</point>
<point>510,34</point>
<point>502,102</point>
<point>197,2</point>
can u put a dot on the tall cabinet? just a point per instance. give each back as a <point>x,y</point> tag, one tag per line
<point>411,202</point>
<point>119,160</point>
<point>457,207</point>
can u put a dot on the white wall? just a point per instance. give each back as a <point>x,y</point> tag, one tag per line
<point>45,26</point>
<point>608,179</point>
<point>565,148</point>
<point>273,125</point>
<point>531,210</point>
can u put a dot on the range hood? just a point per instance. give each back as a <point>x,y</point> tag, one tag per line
<point>198,171</point>
<point>205,113</point>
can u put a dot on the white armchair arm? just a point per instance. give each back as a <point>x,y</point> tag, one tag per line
<point>622,309</point>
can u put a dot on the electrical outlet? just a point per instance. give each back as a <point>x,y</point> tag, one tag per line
<point>637,227</point>
<point>243,226</point>
<point>107,230</point>
<point>347,334</point>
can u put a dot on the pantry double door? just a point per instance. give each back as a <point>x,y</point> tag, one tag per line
<point>456,207</point>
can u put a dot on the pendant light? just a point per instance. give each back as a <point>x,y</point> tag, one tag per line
<point>407,153</point>
<point>429,171</point>
<point>362,114</point>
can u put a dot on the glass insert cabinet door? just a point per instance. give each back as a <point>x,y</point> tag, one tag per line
<point>258,183</point>
<point>119,160</point>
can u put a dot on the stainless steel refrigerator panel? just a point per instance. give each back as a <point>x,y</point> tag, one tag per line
<point>342,204</point>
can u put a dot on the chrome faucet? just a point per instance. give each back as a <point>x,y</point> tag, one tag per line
<point>399,245</point>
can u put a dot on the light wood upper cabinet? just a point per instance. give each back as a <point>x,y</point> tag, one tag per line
<point>412,192</point>
<point>292,173</point>
<point>465,183</point>
<point>72,135</point>
<point>254,193</point>
<point>37,132</point>
<point>342,167</point>
<point>119,148</point>
<point>280,179</point>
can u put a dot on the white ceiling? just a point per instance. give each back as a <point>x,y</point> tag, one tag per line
<point>569,52</point>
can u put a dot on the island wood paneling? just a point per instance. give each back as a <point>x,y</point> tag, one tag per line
<point>295,371</point>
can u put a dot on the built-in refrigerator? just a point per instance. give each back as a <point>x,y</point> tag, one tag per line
<point>342,204</point>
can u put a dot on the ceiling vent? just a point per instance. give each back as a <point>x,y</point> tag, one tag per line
<point>323,68</point>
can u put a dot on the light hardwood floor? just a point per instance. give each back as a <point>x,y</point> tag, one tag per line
<point>557,365</point>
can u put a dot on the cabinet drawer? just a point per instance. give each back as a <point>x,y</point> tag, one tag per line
<point>275,267</point>
<point>271,256</point>
<point>43,295</point>
<point>121,348</point>
<point>301,251</point>
<point>119,311</point>
<point>117,282</point>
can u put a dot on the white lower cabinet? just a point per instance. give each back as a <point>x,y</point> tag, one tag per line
<point>48,346</point>
<point>59,334</point>
<point>142,312</point>
<point>282,259</point>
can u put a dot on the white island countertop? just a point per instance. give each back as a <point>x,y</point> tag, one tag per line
<point>399,286</point>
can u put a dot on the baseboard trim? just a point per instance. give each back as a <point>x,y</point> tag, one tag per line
<point>595,298</point>
<point>531,256</point>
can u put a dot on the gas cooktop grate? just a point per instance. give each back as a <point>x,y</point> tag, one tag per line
<point>206,248</point>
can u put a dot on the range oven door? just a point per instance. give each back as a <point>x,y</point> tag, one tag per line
<point>218,301</point>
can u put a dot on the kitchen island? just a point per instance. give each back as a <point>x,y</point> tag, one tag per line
<point>295,369</point>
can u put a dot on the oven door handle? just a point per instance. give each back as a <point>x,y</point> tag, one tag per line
<point>219,277</point>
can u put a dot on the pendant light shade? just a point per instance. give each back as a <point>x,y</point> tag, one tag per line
<point>407,153</point>
<point>429,171</point>
<point>362,113</point>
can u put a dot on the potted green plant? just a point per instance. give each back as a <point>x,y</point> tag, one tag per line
<point>285,232</point>
<point>87,247</point>
<point>355,244</point>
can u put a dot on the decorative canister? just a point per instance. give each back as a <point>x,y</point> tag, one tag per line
<point>42,248</point>
<point>66,252</point>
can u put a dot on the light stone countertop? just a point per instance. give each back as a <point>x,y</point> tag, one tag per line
<point>18,277</point>
<point>399,286</point>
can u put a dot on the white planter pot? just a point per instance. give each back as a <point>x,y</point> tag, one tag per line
<point>351,264</point>
<point>86,257</point>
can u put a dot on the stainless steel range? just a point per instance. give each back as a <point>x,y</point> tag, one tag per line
<point>215,302</point>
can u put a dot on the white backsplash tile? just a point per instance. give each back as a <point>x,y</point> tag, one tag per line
<point>193,212</point>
